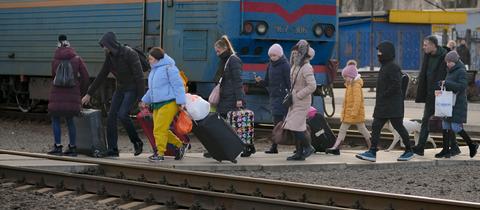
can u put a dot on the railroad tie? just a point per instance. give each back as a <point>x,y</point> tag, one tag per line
<point>109,201</point>
<point>63,193</point>
<point>24,187</point>
<point>154,207</point>
<point>45,190</point>
<point>132,205</point>
<point>85,196</point>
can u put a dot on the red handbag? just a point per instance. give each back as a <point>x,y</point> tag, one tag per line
<point>183,124</point>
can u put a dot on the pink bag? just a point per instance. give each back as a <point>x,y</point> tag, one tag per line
<point>312,112</point>
<point>214,97</point>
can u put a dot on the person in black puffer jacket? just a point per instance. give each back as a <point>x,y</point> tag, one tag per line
<point>277,82</point>
<point>123,62</point>
<point>388,103</point>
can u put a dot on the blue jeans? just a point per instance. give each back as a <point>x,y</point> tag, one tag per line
<point>122,103</point>
<point>455,127</point>
<point>57,130</point>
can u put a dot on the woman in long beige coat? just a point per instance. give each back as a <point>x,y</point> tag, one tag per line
<point>303,85</point>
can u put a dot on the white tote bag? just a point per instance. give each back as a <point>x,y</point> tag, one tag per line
<point>197,107</point>
<point>444,102</point>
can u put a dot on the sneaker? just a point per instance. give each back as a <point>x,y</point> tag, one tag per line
<point>418,151</point>
<point>56,150</point>
<point>368,155</point>
<point>406,156</point>
<point>156,158</point>
<point>138,147</point>
<point>71,151</point>
<point>296,157</point>
<point>180,153</point>
<point>454,151</point>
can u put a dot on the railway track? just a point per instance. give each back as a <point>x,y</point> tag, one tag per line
<point>201,190</point>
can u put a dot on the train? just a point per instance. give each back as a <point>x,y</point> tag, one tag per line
<point>186,29</point>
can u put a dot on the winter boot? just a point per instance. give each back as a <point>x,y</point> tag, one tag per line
<point>471,146</point>
<point>138,147</point>
<point>56,150</point>
<point>308,149</point>
<point>71,151</point>
<point>273,149</point>
<point>252,149</point>
<point>446,145</point>
<point>246,152</point>
<point>298,153</point>
<point>454,149</point>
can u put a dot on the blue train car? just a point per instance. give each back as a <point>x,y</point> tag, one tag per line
<point>186,29</point>
<point>354,40</point>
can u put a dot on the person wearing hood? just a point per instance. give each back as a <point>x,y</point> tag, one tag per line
<point>433,70</point>
<point>277,82</point>
<point>65,102</point>
<point>455,81</point>
<point>353,112</point>
<point>388,103</point>
<point>303,85</point>
<point>123,62</point>
<point>165,96</point>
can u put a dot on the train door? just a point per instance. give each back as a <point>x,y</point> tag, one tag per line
<point>152,24</point>
<point>189,32</point>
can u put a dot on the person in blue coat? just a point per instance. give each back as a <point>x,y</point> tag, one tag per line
<point>165,96</point>
<point>456,81</point>
<point>277,82</point>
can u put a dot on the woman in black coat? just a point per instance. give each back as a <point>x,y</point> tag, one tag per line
<point>277,82</point>
<point>456,81</point>
<point>230,66</point>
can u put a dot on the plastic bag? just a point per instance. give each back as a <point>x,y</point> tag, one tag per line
<point>444,102</point>
<point>183,124</point>
<point>197,107</point>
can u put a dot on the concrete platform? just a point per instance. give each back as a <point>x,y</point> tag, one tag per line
<point>317,162</point>
<point>39,163</point>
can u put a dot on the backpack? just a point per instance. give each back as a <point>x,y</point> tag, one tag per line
<point>405,80</point>
<point>64,76</point>
<point>143,59</point>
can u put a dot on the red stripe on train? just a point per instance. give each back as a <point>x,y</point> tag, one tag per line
<point>275,8</point>
<point>263,67</point>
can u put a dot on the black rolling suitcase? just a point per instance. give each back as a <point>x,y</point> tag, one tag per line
<point>321,133</point>
<point>218,138</point>
<point>90,133</point>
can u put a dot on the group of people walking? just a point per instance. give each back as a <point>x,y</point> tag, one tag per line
<point>293,76</point>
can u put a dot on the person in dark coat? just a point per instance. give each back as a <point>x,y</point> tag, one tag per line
<point>65,102</point>
<point>433,70</point>
<point>231,90</point>
<point>123,62</point>
<point>229,76</point>
<point>277,82</point>
<point>456,82</point>
<point>388,103</point>
<point>464,52</point>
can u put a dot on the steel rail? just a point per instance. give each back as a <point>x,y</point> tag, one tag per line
<point>273,189</point>
<point>171,196</point>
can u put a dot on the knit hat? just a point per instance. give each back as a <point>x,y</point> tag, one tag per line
<point>157,53</point>
<point>452,56</point>
<point>62,37</point>
<point>350,71</point>
<point>276,49</point>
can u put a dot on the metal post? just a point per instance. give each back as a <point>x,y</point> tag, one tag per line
<point>371,40</point>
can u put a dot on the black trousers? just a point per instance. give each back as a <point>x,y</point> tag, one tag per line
<point>397,124</point>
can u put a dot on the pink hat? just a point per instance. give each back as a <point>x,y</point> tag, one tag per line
<point>311,52</point>
<point>350,71</point>
<point>275,49</point>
